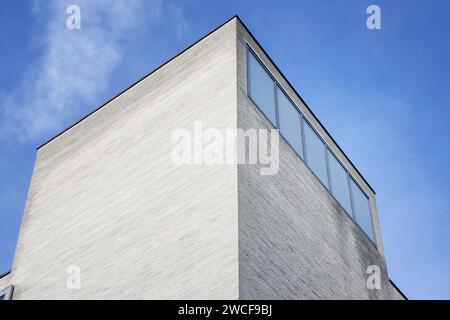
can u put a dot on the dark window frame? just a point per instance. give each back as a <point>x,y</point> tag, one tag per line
<point>302,138</point>
<point>325,155</point>
<point>7,293</point>
<point>327,148</point>
<point>249,94</point>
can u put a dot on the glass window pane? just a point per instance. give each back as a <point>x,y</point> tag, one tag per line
<point>261,88</point>
<point>315,154</point>
<point>361,209</point>
<point>339,183</point>
<point>290,122</point>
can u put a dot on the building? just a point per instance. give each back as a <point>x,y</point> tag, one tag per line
<point>108,206</point>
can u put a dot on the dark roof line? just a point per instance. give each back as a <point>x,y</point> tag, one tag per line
<point>136,82</point>
<point>306,105</point>
<point>187,48</point>
<point>398,289</point>
<point>4,274</point>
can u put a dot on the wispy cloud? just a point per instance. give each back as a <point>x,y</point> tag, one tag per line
<point>75,65</point>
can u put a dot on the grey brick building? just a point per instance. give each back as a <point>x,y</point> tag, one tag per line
<point>107,198</point>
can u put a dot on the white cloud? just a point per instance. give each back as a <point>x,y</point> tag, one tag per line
<point>76,64</point>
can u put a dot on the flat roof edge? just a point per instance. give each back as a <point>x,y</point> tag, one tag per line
<point>187,48</point>
<point>4,274</point>
<point>398,289</point>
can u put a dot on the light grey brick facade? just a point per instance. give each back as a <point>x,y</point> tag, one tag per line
<point>295,240</point>
<point>106,197</point>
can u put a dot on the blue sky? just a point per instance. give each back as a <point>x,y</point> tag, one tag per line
<point>383,95</point>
